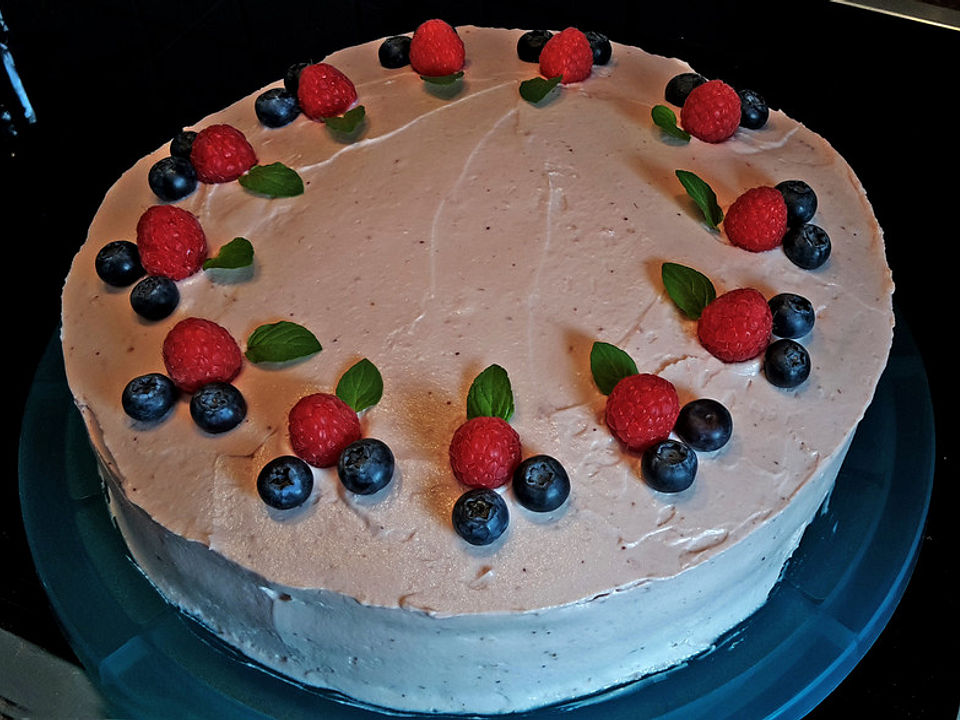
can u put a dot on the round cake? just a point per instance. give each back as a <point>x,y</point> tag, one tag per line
<point>463,226</point>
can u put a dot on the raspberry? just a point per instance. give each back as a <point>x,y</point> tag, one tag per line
<point>736,326</point>
<point>641,410</point>
<point>324,91</point>
<point>757,220</point>
<point>170,242</point>
<point>221,153</point>
<point>711,111</point>
<point>436,49</point>
<point>321,425</point>
<point>198,351</point>
<point>484,452</point>
<point>567,54</point>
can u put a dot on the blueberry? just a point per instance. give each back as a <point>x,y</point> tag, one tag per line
<point>801,201</point>
<point>793,315</point>
<point>541,484</point>
<point>155,297</point>
<point>118,263</point>
<point>669,466</point>
<point>807,246</point>
<point>531,43</point>
<point>182,144</point>
<point>786,363</point>
<point>172,178</point>
<point>149,397</point>
<point>217,407</point>
<point>276,107</point>
<point>285,482</point>
<point>394,52</point>
<point>680,86</point>
<point>704,424</point>
<point>291,78</point>
<point>365,466</point>
<point>600,44</point>
<point>753,110</point>
<point>480,516</point>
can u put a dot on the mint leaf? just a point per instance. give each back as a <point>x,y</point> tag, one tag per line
<point>361,386</point>
<point>703,195</point>
<point>237,253</point>
<point>442,79</point>
<point>348,122</point>
<point>490,394</point>
<point>689,289</point>
<point>279,342</point>
<point>275,180</point>
<point>609,365</point>
<point>536,89</point>
<point>666,120</point>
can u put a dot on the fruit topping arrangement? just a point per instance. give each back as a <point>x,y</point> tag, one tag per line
<point>710,110</point>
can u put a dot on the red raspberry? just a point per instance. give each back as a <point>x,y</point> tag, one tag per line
<point>324,91</point>
<point>711,111</point>
<point>736,326</point>
<point>171,242</point>
<point>757,220</point>
<point>321,425</point>
<point>198,351</point>
<point>221,153</point>
<point>642,410</point>
<point>484,452</point>
<point>436,49</point>
<point>568,53</point>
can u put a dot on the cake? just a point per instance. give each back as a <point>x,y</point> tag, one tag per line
<point>463,227</point>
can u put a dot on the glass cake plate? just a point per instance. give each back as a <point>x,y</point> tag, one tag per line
<point>837,593</point>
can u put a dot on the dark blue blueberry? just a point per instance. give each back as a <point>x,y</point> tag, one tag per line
<point>801,201</point>
<point>155,297</point>
<point>394,52</point>
<point>786,363</point>
<point>217,407</point>
<point>540,483</point>
<point>480,516</point>
<point>182,144</point>
<point>600,44</point>
<point>365,466</point>
<point>704,424</point>
<point>118,263</point>
<point>753,110</point>
<point>793,315</point>
<point>149,397</point>
<point>172,178</point>
<point>285,482</point>
<point>291,78</point>
<point>680,86</point>
<point>807,246</point>
<point>531,43</point>
<point>669,466</point>
<point>276,107</point>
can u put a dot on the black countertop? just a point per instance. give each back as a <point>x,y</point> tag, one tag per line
<point>111,81</point>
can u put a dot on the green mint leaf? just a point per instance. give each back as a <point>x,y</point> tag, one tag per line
<point>279,342</point>
<point>702,195</point>
<point>348,122</point>
<point>666,120</point>
<point>536,89</point>
<point>690,290</point>
<point>275,180</point>
<point>237,253</point>
<point>490,394</point>
<point>609,365</point>
<point>442,79</point>
<point>361,386</point>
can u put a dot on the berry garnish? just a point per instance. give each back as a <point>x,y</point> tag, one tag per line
<point>669,466</point>
<point>641,410</point>
<point>149,397</point>
<point>291,77</point>
<point>118,263</point>
<point>154,297</point>
<point>171,242</point>
<point>484,452</point>
<point>394,52</point>
<point>221,153</point>
<point>321,425</point>
<point>182,143</point>
<point>704,424</point>
<point>436,49</point>
<point>754,111</point>
<point>197,351</point>
<point>680,86</point>
<point>217,407</point>
<point>786,363</point>
<point>365,466</point>
<point>801,201</point>
<point>807,246</point>
<point>276,107</point>
<point>480,516</point>
<point>323,91</point>
<point>601,47</point>
<point>567,54</point>
<point>172,178</point>
<point>531,43</point>
<point>793,315</point>
<point>711,111</point>
<point>285,482</point>
<point>757,220</point>
<point>541,484</point>
<point>736,326</point>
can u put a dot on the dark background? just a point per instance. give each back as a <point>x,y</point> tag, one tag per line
<point>111,80</point>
